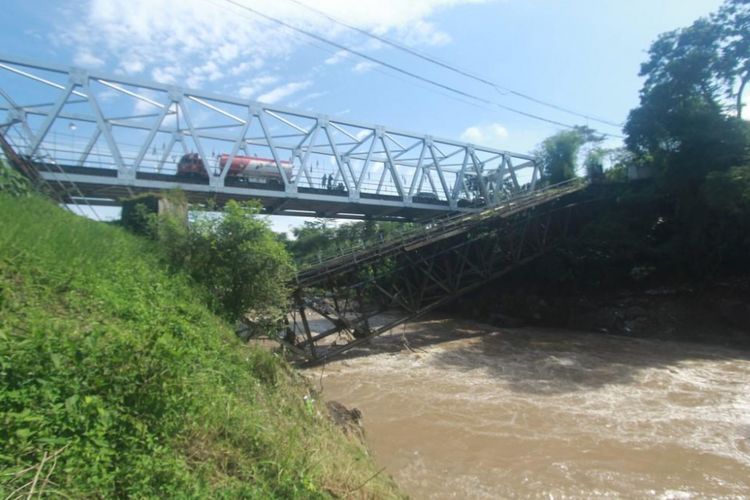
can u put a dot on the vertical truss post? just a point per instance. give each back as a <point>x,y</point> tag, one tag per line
<point>389,164</point>
<point>439,170</point>
<point>303,316</point>
<point>418,172</point>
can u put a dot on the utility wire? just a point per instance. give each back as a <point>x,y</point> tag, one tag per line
<point>404,71</point>
<point>450,67</point>
<point>377,69</point>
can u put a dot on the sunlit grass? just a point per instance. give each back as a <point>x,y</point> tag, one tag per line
<point>116,380</point>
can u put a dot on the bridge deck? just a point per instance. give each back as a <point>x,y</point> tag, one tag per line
<point>102,187</point>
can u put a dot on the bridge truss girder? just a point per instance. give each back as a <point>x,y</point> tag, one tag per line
<point>117,135</point>
<point>411,283</point>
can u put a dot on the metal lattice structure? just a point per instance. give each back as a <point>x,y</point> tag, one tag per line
<point>339,304</point>
<point>104,137</point>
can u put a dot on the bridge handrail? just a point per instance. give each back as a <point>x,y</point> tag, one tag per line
<point>446,225</point>
<point>10,147</point>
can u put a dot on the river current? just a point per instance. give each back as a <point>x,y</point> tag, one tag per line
<point>457,409</point>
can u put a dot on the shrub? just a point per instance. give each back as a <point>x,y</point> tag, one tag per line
<point>12,182</point>
<point>235,256</point>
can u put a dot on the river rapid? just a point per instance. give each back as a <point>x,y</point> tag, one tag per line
<point>457,409</point>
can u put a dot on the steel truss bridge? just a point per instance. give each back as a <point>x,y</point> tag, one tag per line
<point>423,270</point>
<point>98,138</point>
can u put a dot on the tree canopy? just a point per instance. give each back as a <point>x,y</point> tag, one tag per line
<point>559,153</point>
<point>683,126</point>
<point>236,257</point>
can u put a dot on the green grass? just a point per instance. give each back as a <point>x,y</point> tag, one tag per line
<point>116,380</point>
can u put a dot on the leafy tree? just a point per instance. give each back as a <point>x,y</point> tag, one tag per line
<point>559,153</point>
<point>696,143</point>
<point>619,160</point>
<point>594,162</point>
<point>319,239</point>
<point>712,55</point>
<point>729,191</point>
<point>235,256</point>
<point>312,239</point>
<point>733,65</point>
<point>681,127</point>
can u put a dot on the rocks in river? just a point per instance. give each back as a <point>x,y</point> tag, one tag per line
<point>350,421</point>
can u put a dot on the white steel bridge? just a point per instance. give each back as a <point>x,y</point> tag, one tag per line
<point>98,138</point>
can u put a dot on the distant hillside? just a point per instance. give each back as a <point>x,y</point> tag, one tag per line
<point>115,380</point>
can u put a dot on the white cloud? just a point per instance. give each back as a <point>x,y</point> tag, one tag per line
<point>132,66</point>
<point>86,58</point>
<point>337,57</point>
<point>256,85</point>
<point>492,134</point>
<point>168,75</point>
<point>245,66</point>
<point>424,33</point>
<point>283,91</point>
<point>384,16</point>
<point>363,66</point>
<point>305,98</point>
<point>194,42</point>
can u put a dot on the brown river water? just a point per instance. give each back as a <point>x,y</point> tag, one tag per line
<point>457,409</point>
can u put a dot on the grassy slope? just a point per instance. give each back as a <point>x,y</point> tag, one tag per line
<point>116,366</point>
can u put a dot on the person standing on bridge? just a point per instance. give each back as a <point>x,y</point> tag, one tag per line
<point>325,180</point>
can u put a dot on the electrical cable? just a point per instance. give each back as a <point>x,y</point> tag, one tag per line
<point>426,57</point>
<point>407,72</point>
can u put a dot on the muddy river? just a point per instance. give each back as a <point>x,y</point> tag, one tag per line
<point>456,409</point>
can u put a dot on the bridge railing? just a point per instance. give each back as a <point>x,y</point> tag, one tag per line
<point>440,227</point>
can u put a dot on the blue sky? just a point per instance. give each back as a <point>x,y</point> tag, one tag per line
<point>579,54</point>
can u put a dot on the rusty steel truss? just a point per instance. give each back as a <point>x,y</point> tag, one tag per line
<point>339,303</point>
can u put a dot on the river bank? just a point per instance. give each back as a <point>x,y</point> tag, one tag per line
<point>460,409</point>
<point>716,313</point>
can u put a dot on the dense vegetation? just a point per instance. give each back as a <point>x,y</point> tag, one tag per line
<point>691,220</point>
<point>320,239</point>
<point>117,380</point>
<point>235,257</point>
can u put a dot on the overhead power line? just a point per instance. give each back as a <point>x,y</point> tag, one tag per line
<point>455,69</point>
<point>404,71</point>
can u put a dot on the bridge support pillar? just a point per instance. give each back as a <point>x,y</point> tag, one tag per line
<point>136,209</point>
